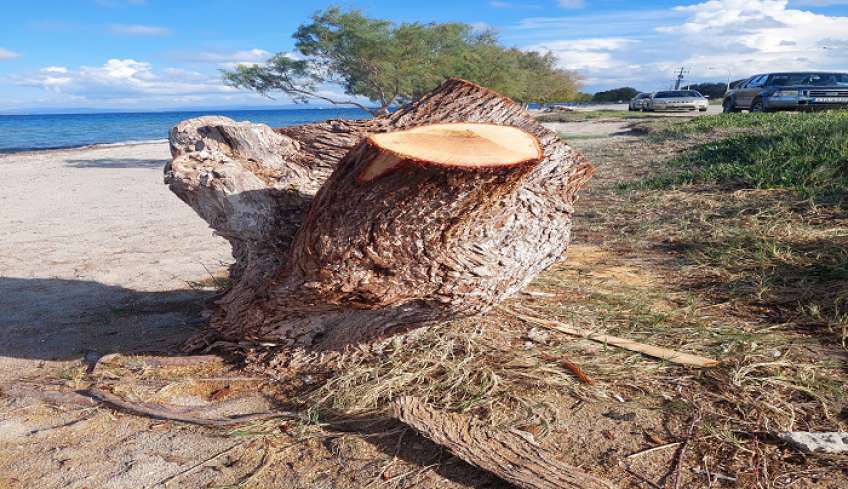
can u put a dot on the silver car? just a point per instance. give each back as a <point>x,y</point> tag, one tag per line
<point>639,102</point>
<point>677,100</point>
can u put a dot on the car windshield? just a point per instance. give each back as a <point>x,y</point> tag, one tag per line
<point>678,94</point>
<point>814,79</point>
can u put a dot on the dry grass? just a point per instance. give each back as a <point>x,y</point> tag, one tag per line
<point>758,278</point>
<point>468,366</point>
<point>755,278</point>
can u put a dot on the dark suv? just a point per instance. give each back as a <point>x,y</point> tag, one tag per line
<point>789,91</point>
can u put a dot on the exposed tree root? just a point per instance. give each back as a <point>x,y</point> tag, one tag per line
<point>508,455</point>
<point>182,415</point>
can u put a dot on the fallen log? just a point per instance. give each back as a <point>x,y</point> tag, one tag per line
<point>505,454</point>
<point>346,231</point>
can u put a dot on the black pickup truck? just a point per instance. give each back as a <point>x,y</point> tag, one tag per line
<point>789,91</point>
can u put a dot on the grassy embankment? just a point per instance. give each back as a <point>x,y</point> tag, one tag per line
<point>780,239</point>
<point>748,213</point>
<point>804,152</point>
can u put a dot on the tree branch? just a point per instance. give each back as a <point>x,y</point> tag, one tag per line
<point>335,102</point>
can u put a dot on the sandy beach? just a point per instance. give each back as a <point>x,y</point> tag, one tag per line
<point>97,255</point>
<point>89,232</point>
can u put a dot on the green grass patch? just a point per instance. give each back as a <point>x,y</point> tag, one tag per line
<point>667,128</point>
<point>807,152</point>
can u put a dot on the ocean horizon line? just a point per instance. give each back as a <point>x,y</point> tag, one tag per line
<point>40,132</point>
<point>103,111</point>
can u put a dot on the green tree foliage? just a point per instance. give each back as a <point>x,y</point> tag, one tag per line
<point>615,95</point>
<point>544,83</point>
<point>390,64</point>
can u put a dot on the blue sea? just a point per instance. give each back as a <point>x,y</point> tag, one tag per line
<point>54,131</point>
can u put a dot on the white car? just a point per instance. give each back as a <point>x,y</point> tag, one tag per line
<point>677,100</point>
<point>639,102</point>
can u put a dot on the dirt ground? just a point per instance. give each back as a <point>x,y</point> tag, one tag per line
<point>98,257</point>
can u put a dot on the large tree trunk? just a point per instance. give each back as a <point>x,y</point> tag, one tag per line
<point>340,238</point>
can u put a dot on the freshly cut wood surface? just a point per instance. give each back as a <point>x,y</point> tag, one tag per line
<point>459,145</point>
<point>508,455</point>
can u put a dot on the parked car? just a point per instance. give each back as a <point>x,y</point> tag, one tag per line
<point>677,100</point>
<point>639,102</point>
<point>789,91</point>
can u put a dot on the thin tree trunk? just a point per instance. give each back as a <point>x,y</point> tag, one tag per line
<point>326,258</point>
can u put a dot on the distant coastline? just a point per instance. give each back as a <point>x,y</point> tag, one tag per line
<point>41,132</point>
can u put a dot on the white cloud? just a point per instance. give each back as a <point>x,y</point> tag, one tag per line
<point>139,30</point>
<point>713,39</point>
<point>749,36</point>
<point>586,54</point>
<point>228,59</point>
<point>123,79</point>
<point>572,3</point>
<point>633,24</point>
<point>130,83</point>
<point>54,77</point>
<point>7,54</point>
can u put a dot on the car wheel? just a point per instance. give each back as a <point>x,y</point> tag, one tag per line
<point>757,106</point>
<point>728,106</point>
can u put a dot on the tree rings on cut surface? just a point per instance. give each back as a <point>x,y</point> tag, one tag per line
<point>461,145</point>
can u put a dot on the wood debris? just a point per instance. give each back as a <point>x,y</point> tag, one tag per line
<point>568,365</point>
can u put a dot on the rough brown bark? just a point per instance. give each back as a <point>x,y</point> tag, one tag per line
<point>508,455</point>
<point>324,260</point>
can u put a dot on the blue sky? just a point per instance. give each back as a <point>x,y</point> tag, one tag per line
<point>158,54</point>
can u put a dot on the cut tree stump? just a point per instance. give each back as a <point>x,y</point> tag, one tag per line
<point>508,455</point>
<point>348,231</point>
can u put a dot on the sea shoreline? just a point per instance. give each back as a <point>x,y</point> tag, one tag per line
<point>84,231</point>
<point>26,151</point>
